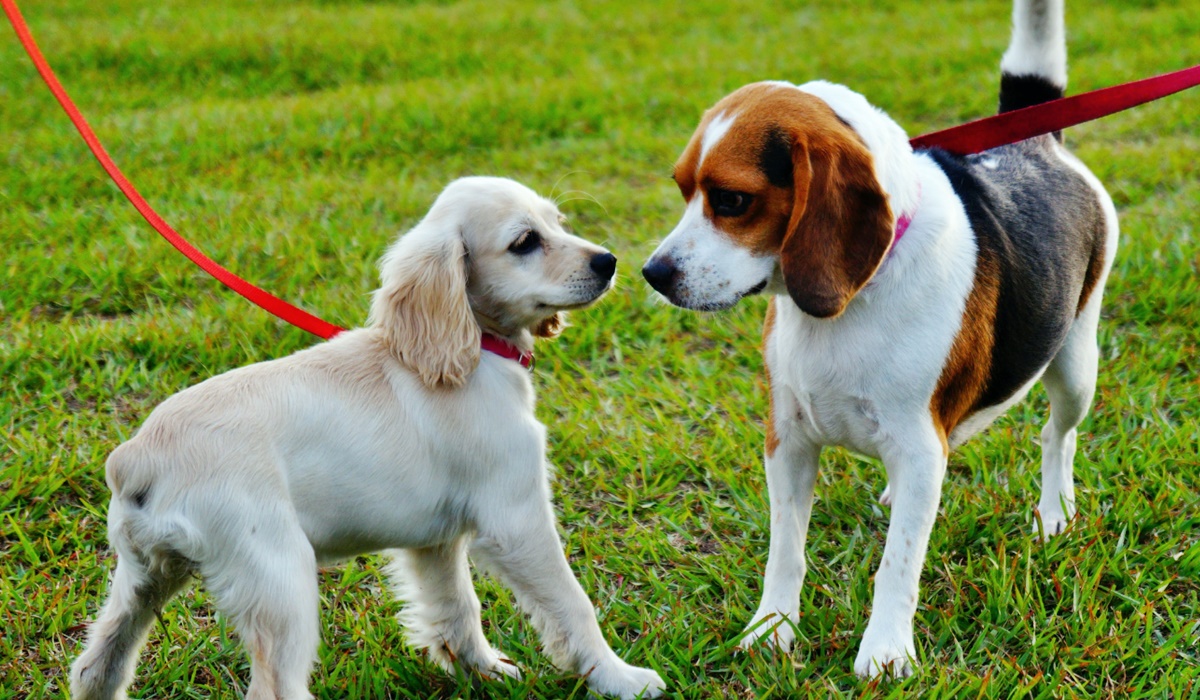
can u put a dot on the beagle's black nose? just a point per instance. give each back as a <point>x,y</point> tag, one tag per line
<point>604,265</point>
<point>659,274</point>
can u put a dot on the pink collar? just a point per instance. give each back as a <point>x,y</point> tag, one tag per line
<point>499,346</point>
<point>906,219</point>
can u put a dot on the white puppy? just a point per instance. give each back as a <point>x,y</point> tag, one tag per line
<point>402,434</point>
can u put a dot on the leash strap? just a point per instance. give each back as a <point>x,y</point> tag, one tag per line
<point>273,304</point>
<point>972,137</point>
<point>1020,124</point>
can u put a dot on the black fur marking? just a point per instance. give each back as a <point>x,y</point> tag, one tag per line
<point>775,159</point>
<point>1041,226</point>
<point>1018,91</point>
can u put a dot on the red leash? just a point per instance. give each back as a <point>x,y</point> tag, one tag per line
<point>1020,124</point>
<point>972,137</point>
<point>273,304</point>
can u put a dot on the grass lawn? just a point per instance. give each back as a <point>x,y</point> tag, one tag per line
<point>293,140</point>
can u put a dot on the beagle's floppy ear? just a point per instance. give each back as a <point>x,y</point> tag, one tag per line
<point>422,307</point>
<point>840,226</point>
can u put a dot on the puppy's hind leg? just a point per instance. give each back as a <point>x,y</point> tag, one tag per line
<point>521,546</point>
<point>136,595</point>
<point>1070,382</point>
<point>263,576</point>
<point>441,612</point>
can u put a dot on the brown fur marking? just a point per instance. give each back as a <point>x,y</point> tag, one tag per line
<point>551,327</point>
<point>1092,276</point>
<point>965,374</point>
<point>768,328</point>
<point>831,227</point>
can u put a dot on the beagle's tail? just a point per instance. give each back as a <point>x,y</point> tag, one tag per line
<point>1034,68</point>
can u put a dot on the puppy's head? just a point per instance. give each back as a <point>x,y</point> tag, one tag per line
<point>778,189</point>
<point>490,254</point>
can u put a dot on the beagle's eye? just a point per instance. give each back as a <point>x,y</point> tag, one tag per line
<point>728,202</point>
<point>526,243</point>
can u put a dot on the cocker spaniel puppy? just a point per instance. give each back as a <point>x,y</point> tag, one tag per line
<point>415,434</point>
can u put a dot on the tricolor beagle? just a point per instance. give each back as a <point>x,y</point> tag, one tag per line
<point>916,296</point>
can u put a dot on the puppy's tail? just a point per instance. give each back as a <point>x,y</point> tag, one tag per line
<point>160,538</point>
<point>1034,68</point>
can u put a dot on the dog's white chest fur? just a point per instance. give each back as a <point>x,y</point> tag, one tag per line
<point>831,401</point>
<point>857,379</point>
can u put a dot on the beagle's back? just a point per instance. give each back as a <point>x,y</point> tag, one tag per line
<point>1041,231</point>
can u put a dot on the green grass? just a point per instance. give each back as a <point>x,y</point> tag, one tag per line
<point>293,140</point>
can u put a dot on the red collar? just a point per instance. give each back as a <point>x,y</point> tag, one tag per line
<point>901,226</point>
<point>499,346</point>
<point>903,222</point>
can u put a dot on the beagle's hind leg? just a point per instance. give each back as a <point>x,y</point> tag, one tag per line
<point>1070,382</point>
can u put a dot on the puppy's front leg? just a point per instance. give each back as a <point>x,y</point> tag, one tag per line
<point>791,475</point>
<point>915,469</point>
<point>442,610</point>
<point>522,548</point>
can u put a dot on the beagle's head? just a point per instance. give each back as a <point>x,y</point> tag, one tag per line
<point>780,192</point>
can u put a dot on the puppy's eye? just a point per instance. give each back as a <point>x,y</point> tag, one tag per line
<point>526,243</point>
<point>728,202</point>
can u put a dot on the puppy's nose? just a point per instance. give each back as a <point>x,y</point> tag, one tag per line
<point>604,265</point>
<point>659,274</point>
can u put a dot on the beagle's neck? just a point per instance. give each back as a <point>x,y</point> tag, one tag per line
<point>895,163</point>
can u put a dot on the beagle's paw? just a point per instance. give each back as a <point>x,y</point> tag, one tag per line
<point>886,655</point>
<point>1050,522</point>
<point>773,630</point>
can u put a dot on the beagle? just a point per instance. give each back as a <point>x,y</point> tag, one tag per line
<point>416,434</point>
<point>915,297</point>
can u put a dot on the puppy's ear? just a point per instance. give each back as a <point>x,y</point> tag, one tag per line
<point>551,327</point>
<point>841,224</point>
<point>422,307</point>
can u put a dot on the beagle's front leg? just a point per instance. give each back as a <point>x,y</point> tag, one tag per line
<point>915,467</point>
<point>791,476</point>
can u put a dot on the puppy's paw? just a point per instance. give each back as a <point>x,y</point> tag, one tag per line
<point>478,659</point>
<point>773,630</point>
<point>886,655</point>
<point>94,676</point>
<point>498,668</point>
<point>86,685</point>
<point>885,498</point>
<point>619,679</point>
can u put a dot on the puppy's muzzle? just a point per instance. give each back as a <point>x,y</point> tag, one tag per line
<point>604,265</point>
